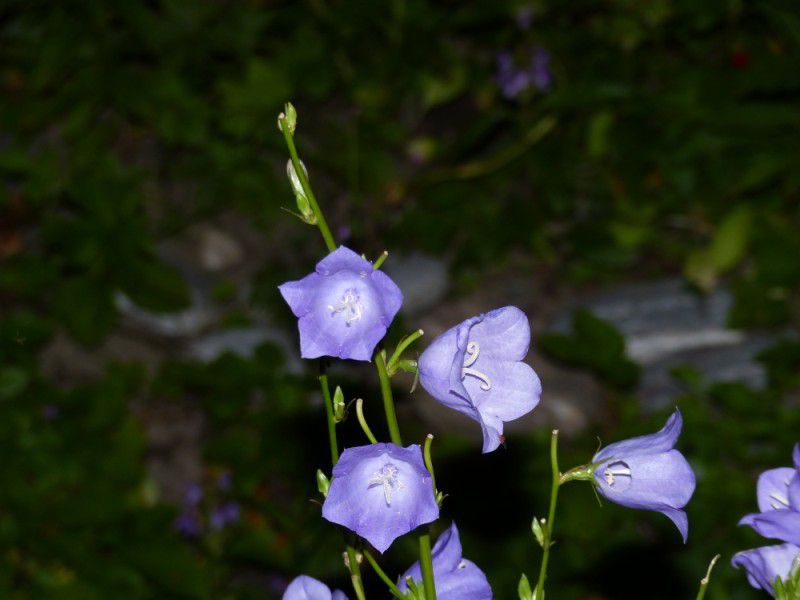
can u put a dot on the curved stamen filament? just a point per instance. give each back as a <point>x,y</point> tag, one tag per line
<point>609,474</point>
<point>470,357</point>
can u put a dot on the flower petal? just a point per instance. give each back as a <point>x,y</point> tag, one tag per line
<point>307,588</point>
<point>503,333</point>
<point>653,443</point>
<point>515,390</point>
<point>300,294</point>
<point>343,259</point>
<point>773,489</point>
<point>782,525</point>
<point>765,564</point>
<point>389,293</point>
<point>680,519</point>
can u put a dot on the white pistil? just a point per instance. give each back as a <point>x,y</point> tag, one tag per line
<point>349,305</point>
<point>387,477</point>
<point>609,474</point>
<point>471,356</point>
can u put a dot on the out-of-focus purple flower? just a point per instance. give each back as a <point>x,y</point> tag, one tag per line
<point>193,495</point>
<point>476,368</point>
<point>513,78</point>
<point>541,76</point>
<point>764,565</point>
<point>779,500</point>
<point>647,473</point>
<point>524,16</point>
<point>50,412</point>
<point>455,577</point>
<point>226,514</point>
<point>188,524</point>
<point>381,492</point>
<point>308,588</point>
<point>224,481</point>
<point>344,307</point>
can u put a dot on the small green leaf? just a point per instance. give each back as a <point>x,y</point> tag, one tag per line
<point>524,588</point>
<point>538,532</point>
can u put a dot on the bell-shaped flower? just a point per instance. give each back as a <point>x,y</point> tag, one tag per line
<point>647,473</point>
<point>308,588</point>
<point>779,502</point>
<point>766,564</point>
<point>381,492</point>
<point>455,578</point>
<point>343,308</point>
<point>476,368</point>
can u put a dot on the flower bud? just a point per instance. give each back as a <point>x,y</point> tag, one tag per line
<point>303,204</point>
<point>289,115</point>
<point>338,405</point>
<point>323,484</point>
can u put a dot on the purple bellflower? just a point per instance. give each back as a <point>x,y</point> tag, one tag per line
<point>308,588</point>
<point>476,368</point>
<point>647,473</point>
<point>779,502</point>
<point>766,564</point>
<point>343,308</point>
<point>455,577</point>
<point>381,492</point>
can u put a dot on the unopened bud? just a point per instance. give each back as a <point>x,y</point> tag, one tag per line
<point>323,484</point>
<point>303,204</point>
<point>338,405</point>
<point>289,116</point>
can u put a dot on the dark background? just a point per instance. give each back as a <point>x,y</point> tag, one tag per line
<point>159,435</point>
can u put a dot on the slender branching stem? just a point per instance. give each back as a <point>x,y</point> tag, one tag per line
<point>355,573</point>
<point>384,577</point>
<point>704,581</point>
<point>388,400</point>
<point>301,175</point>
<point>551,515</point>
<point>326,398</point>
<point>363,422</point>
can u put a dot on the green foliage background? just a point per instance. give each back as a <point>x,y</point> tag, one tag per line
<point>667,145</point>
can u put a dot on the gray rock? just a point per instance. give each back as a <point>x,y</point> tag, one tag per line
<point>423,279</point>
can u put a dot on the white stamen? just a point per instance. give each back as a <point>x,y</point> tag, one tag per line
<point>471,356</point>
<point>387,477</point>
<point>780,501</point>
<point>349,305</point>
<point>609,474</point>
<point>462,565</point>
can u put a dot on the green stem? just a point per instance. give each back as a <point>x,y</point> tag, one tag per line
<point>326,398</point>
<point>401,347</point>
<point>426,564</point>
<point>426,455</point>
<point>312,200</point>
<point>384,577</point>
<point>363,422</point>
<point>355,573</point>
<point>704,581</point>
<point>388,400</point>
<point>551,515</point>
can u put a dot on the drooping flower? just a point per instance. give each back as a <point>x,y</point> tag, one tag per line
<point>779,502</point>
<point>381,492</point>
<point>455,577</point>
<point>344,307</point>
<point>647,473</point>
<point>764,565</point>
<point>476,368</point>
<point>308,588</point>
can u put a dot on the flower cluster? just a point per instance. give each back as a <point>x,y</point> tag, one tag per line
<point>778,492</point>
<point>382,491</point>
